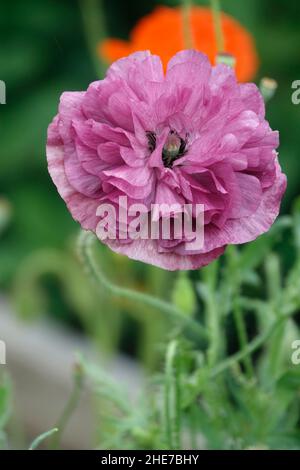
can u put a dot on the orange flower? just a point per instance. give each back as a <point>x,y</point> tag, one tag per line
<point>162,33</point>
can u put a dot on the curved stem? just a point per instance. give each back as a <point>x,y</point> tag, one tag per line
<point>85,244</point>
<point>35,444</point>
<point>70,406</point>
<point>217,17</point>
<point>187,26</point>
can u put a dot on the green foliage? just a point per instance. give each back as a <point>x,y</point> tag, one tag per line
<point>238,391</point>
<point>123,423</point>
<point>5,407</point>
<point>102,317</point>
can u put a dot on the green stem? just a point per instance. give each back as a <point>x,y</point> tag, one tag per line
<point>217,17</point>
<point>167,411</point>
<point>214,328</point>
<point>193,426</point>
<point>274,289</point>
<point>187,26</point>
<point>70,407</point>
<point>238,314</point>
<point>94,28</point>
<point>177,407</point>
<point>212,313</point>
<point>85,245</point>
<point>273,278</point>
<point>36,443</point>
<point>243,339</point>
<point>249,349</point>
<point>172,397</point>
<point>275,352</point>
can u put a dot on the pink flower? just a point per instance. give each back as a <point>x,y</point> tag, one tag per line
<point>192,136</point>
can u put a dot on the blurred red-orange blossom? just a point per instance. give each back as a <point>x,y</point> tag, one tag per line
<point>162,33</point>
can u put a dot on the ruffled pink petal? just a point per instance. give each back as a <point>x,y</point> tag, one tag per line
<point>110,141</point>
<point>147,251</point>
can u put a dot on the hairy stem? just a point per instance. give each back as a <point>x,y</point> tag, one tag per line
<point>243,339</point>
<point>172,397</point>
<point>274,289</point>
<point>249,349</point>
<point>69,408</point>
<point>238,313</point>
<point>213,319</point>
<point>85,245</point>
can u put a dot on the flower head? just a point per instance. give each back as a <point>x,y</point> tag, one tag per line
<point>191,136</point>
<point>162,32</point>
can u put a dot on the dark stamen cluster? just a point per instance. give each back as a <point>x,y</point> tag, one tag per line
<point>151,140</point>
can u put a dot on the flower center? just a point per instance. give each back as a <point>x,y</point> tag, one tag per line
<point>174,148</point>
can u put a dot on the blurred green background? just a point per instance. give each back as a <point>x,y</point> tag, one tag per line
<point>43,52</point>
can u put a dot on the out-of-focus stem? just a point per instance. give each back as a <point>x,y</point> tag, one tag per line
<point>216,10</point>
<point>94,29</point>
<point>70,406</point>
<point>193,426</point>
<point>212,313</point>
<point>85,244</point>
<point>249,349</point>
<point>187,25</point>
<point>238,315</point>
<point>172,397</point>
<point>243,339</point>
<point>274,288</point>
<point>35,444</point>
